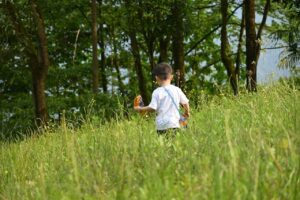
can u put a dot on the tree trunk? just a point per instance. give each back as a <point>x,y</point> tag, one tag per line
<point>238,53</point>
<point>103,61</point>
<point>138,67</point>
<point>163,49</point>
<point>95,64</point>
<point>120,82</point>
<point>136,53</point>
<point>150,41</point>
<point>151,56</point>
<point>250,45</point>
<point>177,41</point>
<point>116,63</point>
<point>38,92</point>
<point>149,35</point>
<point>225,49</point>
<point>103,57</point>
<point>39,71</point>
<point>262,24</point>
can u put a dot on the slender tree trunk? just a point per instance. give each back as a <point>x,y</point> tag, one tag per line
<point>225,49</point>
<point>120,82</point>
<point>149,35</point>
<point>103,60</point>
<point>136,54</point>
<point>250,45</point>
<point>116,63</point>
<point>238,53</point>
<point>177,41</point>
<point>164,36</point>
<point>163,49</point>
<point>138,67</point>
<point>151,56</point>
<point>262,24</point>
<point>150,41</point>
<point>104,81</point>
<point>95,71</point>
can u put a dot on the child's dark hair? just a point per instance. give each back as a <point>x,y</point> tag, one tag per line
<point>162,71</point>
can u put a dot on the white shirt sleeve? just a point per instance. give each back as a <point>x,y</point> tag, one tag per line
<point>154,101</point>
<point>182,98</point>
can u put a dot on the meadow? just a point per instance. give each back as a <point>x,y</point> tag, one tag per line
<point>245,147</point>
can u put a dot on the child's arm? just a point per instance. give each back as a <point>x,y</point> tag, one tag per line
<point>143,109</point>
<point>186,108</point>
<point>138,105</point>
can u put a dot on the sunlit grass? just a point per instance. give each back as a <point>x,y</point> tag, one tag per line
<point>244,147</point>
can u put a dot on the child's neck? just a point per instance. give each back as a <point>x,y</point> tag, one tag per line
<point>165,83</point>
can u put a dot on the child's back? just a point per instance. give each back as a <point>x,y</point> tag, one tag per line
<point>166,101</point>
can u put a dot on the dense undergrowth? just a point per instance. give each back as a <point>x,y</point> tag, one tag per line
<point>244,147</point>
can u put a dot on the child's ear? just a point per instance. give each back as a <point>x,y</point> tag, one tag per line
<point>156,79</point>
<point>171,77</point>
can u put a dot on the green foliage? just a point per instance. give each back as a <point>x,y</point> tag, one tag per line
<point>16,113</point>
<point>16,116</point>
<point>234,148</point>
<point>288,31</point>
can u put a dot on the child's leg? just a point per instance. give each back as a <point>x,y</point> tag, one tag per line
<point>168,132</point>
<point>161,132</point>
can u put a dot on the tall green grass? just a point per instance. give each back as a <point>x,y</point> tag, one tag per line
<point>245,147</point>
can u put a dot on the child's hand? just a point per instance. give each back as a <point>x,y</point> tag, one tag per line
<point>186,110</point>
<point>138,101</point>
<point>137,108</point>
<point>187,114</point>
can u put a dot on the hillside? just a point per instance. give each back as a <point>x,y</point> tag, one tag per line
<point>235,148</point>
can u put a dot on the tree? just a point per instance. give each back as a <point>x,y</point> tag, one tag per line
<point>250,44</point>
<point>226,50</point>
<point>239,48</point>
<point>95,64</point>
<point>102,47</point>
<point>178,41</point>
<point>253,41</point>
<point>37,53</point>
<point>135,49</point>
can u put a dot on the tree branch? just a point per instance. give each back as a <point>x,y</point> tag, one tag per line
<point>264,19</point>
<point>212,31</point>
<point>207,7</point>
<point>279,47</point>
<point>19,28</point>
<point>262,24</point>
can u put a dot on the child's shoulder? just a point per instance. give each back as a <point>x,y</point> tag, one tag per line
<point>157,91</point>
<point>163,89</point>
<point>174,87</point>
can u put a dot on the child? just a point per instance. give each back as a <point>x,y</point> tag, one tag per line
<point>165,100</point>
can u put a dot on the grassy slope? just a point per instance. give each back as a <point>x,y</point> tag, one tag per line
<point>235,148</point>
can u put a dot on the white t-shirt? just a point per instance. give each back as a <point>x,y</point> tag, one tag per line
<point>167,114</point>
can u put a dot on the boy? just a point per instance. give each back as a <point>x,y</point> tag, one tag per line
<point>165,100</point>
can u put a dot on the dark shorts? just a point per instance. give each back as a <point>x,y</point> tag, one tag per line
<point>168,132</point>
